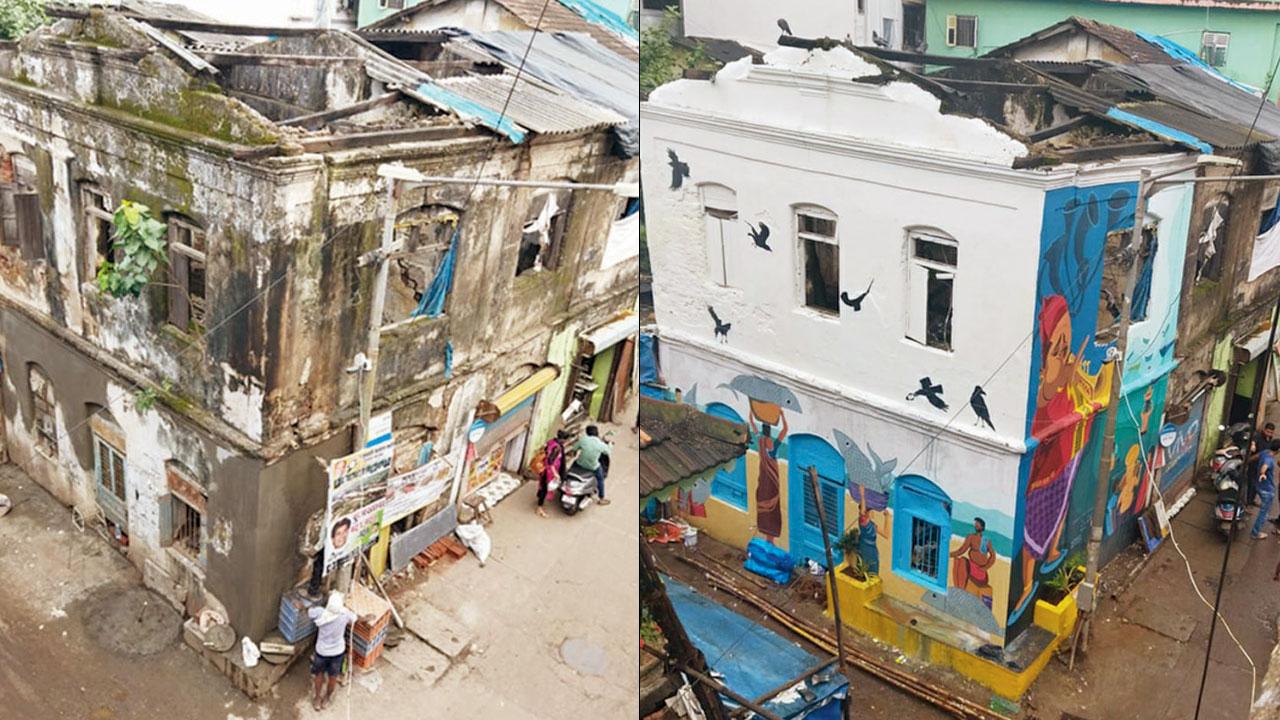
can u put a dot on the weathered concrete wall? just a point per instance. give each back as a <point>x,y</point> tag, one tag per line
<point>1267,704</point>
<point>284,91</point>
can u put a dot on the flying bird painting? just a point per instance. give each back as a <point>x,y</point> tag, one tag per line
<point>978,402</point>
<point>931,392</point>
<point>760,236</point>
<point>722,328</point>
<point>679,170</point>
<point>856,303</point>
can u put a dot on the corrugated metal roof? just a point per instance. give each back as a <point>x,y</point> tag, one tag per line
<point>683,443</point>
<point>1125,41</point>
<point>385,67</point>
<point>532,106</point>
<point>1211,130</point>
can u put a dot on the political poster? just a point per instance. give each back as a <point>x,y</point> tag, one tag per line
<point>357,494</point>
<point>411,491</point>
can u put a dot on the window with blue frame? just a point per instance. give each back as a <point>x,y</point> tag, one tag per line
<point>729,485</point>
<point>921,531</point>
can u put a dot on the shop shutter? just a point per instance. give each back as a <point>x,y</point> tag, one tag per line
<point>30,224</point>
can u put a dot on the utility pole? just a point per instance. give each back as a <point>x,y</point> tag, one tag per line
<point>653,595</point>
<point>831,578</point>
<point>1103,490</point>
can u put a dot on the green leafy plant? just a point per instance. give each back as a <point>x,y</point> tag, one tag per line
<point>1066,577</point>
<point>138,240</point>
<point>848,542</point>
<point>650,633</point>
<point>145,398</point>
<point>18,17</point>
<point>661,61</point>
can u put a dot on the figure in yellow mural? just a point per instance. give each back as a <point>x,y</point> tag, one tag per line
<point>768,486</point>
<point>1066,400</point>
<point>976,556</point>
<point>1132,478</point>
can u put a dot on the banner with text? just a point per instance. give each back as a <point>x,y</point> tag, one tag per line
<point>357,494</point>
<point>409,492</point>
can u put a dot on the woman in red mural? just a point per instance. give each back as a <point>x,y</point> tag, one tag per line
<point>768,487</point>
<point>1065,402</point>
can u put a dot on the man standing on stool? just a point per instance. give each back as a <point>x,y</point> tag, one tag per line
<point>331,647</point>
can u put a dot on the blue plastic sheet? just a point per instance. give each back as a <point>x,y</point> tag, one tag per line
<point>597,14</point>
<point>753,659</point>
<point>432,302</point>
<point>648,358</point>
<point>1160,129</point>
<point>769,561</point>
<point>1184,54</point>
<point>469,110</point>
<point>448,360</point>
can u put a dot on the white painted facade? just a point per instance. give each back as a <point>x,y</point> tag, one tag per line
<point>755,22</point>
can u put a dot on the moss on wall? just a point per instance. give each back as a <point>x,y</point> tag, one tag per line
<point>205,113</point>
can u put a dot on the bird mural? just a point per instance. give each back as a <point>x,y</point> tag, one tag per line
<point>760,236</point>
<point>679,169</point>
<point>722,328</point>
<point>931,392</point>
<point>867,479</point>
<point>856,303</point>
<point>784,26</point>
<point>978,402</point>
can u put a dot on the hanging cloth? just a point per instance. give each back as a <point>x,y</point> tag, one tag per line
<point>432,302</point>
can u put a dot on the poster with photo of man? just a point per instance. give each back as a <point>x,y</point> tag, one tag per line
<point>357,495</point>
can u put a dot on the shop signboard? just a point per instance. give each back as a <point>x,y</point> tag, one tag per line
<point>357,495</point>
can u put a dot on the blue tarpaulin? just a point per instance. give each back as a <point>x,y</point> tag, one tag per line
<point>448,360</point>
<point>432,302</point>
<point>769,561</point>
<point>470,110</point>
<point>1185,55</point>
<point>648,358</point>
<point>753,659</point>
<point>597,14</point>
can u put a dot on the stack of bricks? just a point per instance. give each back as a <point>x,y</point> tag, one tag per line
<point>445,547</point>
<point>367,639</point>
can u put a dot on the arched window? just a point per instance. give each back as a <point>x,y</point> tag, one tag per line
<point>730,485</point>
<point>186,272</point>
<point>818,248</point>
<point>720,223</point>
<point>932,258</point>
<point>43,410</point>
<point>921,531</point>
<point>803,452</point>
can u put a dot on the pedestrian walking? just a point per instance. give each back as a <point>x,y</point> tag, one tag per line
<point>1266,486</point>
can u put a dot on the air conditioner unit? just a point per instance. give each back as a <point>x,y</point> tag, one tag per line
<point>951,31</point>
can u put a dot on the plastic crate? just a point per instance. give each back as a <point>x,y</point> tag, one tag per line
<point>368,631</point>
<point>294,622</point>
<point>364,662</point>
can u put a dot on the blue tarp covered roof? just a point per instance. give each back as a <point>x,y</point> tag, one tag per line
<point>576,64</point>
<point>753,659</point>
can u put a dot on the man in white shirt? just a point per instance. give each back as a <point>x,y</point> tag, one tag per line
<point>331,647</point>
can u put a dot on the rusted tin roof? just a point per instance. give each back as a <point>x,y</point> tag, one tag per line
<point>682,443</point>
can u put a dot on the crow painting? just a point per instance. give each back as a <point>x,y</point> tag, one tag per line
<point>679,170</point>
<point>856,303</point>
<point>722,328</point>
<point>979,405</point>
<point>931,392</point>
<point>760,236</point>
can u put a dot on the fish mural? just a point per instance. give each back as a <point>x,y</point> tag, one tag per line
<point>869,479</point>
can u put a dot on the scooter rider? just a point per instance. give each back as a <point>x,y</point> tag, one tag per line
<point>588,453</point>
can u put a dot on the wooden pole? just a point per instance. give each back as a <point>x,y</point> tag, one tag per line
<point>831,574</point>
<point>711,683</point>
<point>653,595</point>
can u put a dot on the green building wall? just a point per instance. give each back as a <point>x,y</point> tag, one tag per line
<point>1251,53</point>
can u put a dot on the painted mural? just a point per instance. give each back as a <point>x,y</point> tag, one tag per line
<point>769,403</point>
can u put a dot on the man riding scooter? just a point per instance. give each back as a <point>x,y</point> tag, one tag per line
<point>591,453</point>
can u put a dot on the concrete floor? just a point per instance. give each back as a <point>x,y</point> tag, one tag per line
<point>553,616</point>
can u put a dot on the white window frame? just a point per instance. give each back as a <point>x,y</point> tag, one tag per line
<point>888,28</point>
<point>918,270</point>
<point>720,223</point>
<point>953,30</point>
<point>821,213</point>
<point>92,213</point>
<point>1221,41</point>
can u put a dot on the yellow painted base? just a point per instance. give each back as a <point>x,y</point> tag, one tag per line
<point>378,553</point>
<point>857,612</point>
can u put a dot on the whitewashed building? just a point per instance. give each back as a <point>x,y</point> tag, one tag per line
<point>754,23</point>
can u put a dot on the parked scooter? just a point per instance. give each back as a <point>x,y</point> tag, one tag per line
<point>1229,466</point>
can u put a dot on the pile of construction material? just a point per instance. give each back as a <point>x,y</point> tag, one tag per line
<point>368,639</point>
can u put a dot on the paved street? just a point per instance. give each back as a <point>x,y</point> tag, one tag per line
<point>553,618</point>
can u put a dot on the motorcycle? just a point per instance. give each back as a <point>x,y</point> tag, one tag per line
<point>579,487</point>
<point>1229,466</point>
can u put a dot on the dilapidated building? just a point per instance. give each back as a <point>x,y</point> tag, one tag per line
<point>191,422</point>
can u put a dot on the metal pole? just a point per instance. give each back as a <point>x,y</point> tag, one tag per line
<point>1103,489</point>
<point>370,376</point>
<point>1263,367</point>
<point>831,573</point>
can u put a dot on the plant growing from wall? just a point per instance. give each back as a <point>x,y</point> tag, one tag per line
<point>145,398</point>
<point>18,17</point>
<point>661,61</point>
<point>138,240</point>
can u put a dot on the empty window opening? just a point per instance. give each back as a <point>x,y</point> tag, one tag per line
<point>187,245</point>
<point>887,32</point>
<point>931,285</point>
<point>544,228</point>
<point>720,221</point>
<point>21,217</point>
<point>43,410</point>
<point>1211,245</point>
<point>423,235</point>
<point>962,31</point>
<point>182,511</point>
<point>816,232</point>
<point>1213,48</point>
<point>98,219</point>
